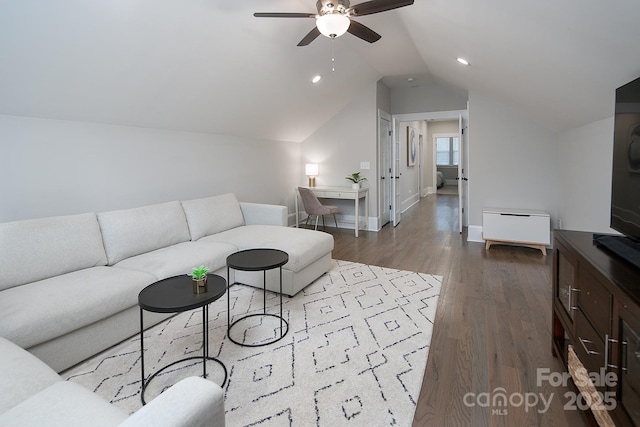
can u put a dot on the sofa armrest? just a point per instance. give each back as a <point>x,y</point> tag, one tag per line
<point>259,213</point>
<point>23,375</point>
<point>192,402</point>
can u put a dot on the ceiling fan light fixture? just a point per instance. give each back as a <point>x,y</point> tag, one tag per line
<point>333,24</point>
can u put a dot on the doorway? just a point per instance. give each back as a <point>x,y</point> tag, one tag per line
<point>446,146</point>
<point>458,125</point>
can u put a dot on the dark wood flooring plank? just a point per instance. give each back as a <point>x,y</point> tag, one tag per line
<point>492,328</point>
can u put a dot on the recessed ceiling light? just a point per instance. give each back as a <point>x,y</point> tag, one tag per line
<point>410,79</point>
<point>316,79</point>
<point>463,61</point>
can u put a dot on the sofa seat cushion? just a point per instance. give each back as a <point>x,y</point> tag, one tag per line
<point>37,249</point>
<point>212,215</point>
<point>22,375</point>
<point>63,404</point>
<point>43,310</point>
<point>303,246</point>
<point>132,232</point>
<point>180,259</point>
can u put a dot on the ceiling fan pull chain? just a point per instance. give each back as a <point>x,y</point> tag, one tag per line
<point>333,55</point>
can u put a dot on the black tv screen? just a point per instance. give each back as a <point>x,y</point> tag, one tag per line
<point>625,185</point>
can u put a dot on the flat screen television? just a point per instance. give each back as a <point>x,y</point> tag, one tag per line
<point>625,182</point>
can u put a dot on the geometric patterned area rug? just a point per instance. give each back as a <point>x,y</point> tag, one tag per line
<point>354,355</point>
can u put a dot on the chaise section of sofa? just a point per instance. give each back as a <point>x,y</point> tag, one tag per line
<point>309,254</point>
<point>248,226</point>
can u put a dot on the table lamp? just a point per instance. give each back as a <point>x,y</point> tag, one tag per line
<point>311,170</point>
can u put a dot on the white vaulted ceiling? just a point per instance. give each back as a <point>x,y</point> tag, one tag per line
<point>210,66</point>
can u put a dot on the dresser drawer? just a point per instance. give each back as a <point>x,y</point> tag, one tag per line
<point>589,345</point>
<point>333,195</point>
<point>594,299</point>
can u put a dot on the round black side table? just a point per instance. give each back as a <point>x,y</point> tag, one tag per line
<point>257,260</point>
<point>175,295</point>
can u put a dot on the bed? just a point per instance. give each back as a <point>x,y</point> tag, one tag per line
<point>440,180</point>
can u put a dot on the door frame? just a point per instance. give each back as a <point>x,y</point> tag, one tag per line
<point>396,167</point>
<point>446,115</point>
<point>385,148</point>
<point>461,176</point>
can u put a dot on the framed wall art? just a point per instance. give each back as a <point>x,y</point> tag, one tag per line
<point>412,150</point>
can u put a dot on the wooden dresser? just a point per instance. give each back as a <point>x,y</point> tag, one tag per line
<point>596,308</point>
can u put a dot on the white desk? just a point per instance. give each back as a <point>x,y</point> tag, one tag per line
<point>342,193</point>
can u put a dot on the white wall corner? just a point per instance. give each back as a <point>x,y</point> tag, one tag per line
<point>373,224</point>
<point>474,234</point>
<point>291,218</point>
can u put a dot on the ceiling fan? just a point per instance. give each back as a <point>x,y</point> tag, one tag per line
<point>334,18</point>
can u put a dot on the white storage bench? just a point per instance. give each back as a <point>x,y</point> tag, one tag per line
<point>523,227</point>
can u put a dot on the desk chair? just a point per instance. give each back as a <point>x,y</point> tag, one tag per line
<point>312,206</point>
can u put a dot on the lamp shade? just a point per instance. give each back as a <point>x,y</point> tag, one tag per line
<point>333,24</point>
<point>311,169</point>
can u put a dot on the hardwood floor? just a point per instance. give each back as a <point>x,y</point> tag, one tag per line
<point>493,324</point>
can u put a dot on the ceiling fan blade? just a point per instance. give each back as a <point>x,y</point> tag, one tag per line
<point>377,6</point>
<point>363,32</point>
<point>283,15</point>
<point>309,37</point>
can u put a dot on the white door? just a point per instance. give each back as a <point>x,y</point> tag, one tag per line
<point>385,150</point>
<point>461,177</point>
<point>395,178</point>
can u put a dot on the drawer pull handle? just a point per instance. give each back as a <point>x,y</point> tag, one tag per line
<point>608,340</point>
<point>583,342</point>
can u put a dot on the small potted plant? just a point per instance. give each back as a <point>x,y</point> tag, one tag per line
<point>199,276</point>
<point>355,179</point>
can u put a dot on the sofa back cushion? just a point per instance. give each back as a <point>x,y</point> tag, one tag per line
<point>131,232</point>
<point>37,249</point>
<point>212,215</point>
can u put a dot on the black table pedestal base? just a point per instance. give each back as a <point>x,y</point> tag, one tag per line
<point>159,371</point>
<point>282,334</point>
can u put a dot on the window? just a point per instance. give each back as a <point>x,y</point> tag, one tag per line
<point>447,152</point>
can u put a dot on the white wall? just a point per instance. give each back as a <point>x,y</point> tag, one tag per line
<point>512,160</point>
<point>383,97</point>
<point>54,167</point>
<point>410,175</point>
<point>584,175</point>
<point>427,98</point>
<point>341,144</point>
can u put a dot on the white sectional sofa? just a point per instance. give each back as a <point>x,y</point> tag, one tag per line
<point>32,394</point>
<point>69,285</point>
